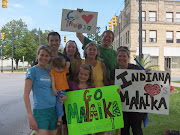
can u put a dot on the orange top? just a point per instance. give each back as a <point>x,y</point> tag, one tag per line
<point>60,79</point>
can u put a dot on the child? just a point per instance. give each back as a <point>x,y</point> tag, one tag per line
<point>83,80</point>
<point>59,83</point>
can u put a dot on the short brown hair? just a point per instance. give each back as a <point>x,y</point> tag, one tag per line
<point>58,62</point>
<point>109,32</point>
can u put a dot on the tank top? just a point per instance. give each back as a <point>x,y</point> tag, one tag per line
<point>97,74</point>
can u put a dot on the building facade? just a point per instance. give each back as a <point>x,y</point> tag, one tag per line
<point>160,32</point>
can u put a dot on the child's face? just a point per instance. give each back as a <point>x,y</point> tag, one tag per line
<point>58,69</point>
<point>83,75</point>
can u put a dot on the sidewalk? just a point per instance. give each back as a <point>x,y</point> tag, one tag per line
<point>12,72</point>
<point>175,84</point>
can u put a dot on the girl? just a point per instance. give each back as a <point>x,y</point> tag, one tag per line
<point>59,83</point>
<point>83,80</point>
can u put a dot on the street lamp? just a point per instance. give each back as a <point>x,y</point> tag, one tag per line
<point>12,47</point>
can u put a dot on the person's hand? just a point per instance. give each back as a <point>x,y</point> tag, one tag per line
<point>55,92</point>
<point>62,98</point>
<point>118,90</point>
<point>32,123</point>
<point>80,10</point>
<point>147,70</point>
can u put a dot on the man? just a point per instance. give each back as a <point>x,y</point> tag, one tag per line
<point>107,54</point>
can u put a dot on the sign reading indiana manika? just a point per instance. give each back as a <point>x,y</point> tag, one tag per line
<point>93,110</point>
<point>75,21</point>
<point>144,92</point>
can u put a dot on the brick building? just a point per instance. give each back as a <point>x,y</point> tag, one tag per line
<point>160,32</point>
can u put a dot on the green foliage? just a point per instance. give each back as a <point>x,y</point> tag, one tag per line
<point>146,64</point>
<point>25,42</point>
<point>95,37</point>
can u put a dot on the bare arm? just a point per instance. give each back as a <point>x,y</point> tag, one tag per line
<point>105,80</point>
<point>53,85</point>
<point>27,90</point>
<point>80,36</point>
<point>67,65</point>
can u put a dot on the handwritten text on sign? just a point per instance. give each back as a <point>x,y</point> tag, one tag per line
<point>93,110</point>
<point>75,21</point>
<point>144,92</point>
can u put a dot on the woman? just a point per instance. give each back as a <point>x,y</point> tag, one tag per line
<point>91,54</point>
<point>72,52</point>
<point>43,119</point>
<point>131,119</point>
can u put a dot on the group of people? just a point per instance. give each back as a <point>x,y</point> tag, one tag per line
<point>56,73</point>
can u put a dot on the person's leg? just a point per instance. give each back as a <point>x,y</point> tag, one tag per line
<point>64,129</point>
<point>42,132</point>
<point>100,133</point>
<point>52,132</point>
<point>136,121</point>
<point>59,109</point>
<point>125,130</point>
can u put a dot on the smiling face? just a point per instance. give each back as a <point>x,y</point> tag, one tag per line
<point>43,58</point>
<point>92,51</point>
<point>54,42</point>
<point>107,40</point>
<point>122,59</point>
<point>83,75</point>
<point>70,48</point>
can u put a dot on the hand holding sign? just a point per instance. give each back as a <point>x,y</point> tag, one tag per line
<point>79,21</point>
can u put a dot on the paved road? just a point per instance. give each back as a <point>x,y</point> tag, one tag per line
<point>13,117</point>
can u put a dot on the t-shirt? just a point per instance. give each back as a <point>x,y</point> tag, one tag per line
<point>60,79</point>
<point>74,86</point>
<point>42,90</point>
<point>108,56</point>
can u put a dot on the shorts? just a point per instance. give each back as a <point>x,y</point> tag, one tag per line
<point>46,118</point>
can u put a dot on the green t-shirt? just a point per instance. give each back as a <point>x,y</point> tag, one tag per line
<point>108,56</point>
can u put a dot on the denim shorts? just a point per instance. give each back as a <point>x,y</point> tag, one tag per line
<point>46,118</point>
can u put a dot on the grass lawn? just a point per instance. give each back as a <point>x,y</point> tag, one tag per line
<point>176,81</point>
<point>158,124</point>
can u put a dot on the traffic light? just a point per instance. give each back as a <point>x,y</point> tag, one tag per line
<point>114,21</point>
<point>110,25</point>
<point>4,3</point>
<point>3,36</point>
<point>65,38</point>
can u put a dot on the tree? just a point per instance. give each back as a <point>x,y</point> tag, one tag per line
<point>15,32</point>
<point>95,37</point>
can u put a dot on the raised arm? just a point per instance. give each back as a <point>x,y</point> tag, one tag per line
<point>27,90</point>
<point>80,36</point>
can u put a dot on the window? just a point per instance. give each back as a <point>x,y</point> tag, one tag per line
<point>169,36</point>
<point>143,16</point>
<point>169,17</point>
<point>152,16</point>
<point>152,36</point>
<point>143,36</point>
<point>128,36</point>
<point>178,37</point>
<point>175,62</point>
<point>177,17</point>
<point>154,60</point>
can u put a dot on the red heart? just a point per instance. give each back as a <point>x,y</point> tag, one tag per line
<point>88,18</point>
<point>152,89</point>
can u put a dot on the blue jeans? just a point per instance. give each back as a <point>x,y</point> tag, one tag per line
<point>59,105</point>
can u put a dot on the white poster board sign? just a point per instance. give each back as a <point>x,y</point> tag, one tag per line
<point>82,22</point>
<point>144,92</point>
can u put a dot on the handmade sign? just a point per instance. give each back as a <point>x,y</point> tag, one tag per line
<point>93,110</point>
<point>75,21</point>
<point>144,92</point>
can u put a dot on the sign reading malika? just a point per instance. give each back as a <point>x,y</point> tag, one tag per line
<point>144,91</point>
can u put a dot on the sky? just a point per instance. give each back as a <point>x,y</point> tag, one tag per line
<point>46,14</point>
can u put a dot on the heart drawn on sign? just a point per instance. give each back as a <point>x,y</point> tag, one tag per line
<point>152,89</point>
<point>88,18</point>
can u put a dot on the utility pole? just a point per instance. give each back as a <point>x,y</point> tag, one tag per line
<point>39,37</point>
<point>2,58</point>
<point>119,35</point>
<point>140,31</point>
<point>12,47</point>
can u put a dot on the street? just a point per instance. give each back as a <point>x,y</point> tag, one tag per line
<point>13,116</point>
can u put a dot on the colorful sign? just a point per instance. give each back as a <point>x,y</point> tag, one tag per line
<point>75,21</point>
<point>93,110</point>
<point>144,91</point>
